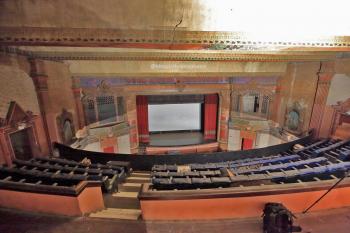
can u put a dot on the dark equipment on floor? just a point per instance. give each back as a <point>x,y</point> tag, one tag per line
<point>278,219</point>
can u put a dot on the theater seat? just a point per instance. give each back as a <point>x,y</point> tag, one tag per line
<point>160,168</point>
<point>210,173</point>
<point>160,174</point>
<point>181,183</point>
<point>171,168</point>
<point>220,181</point>
<point>192,174</point>
<point>176,174</point>
<point>201,183</point>
<point>161,183</point>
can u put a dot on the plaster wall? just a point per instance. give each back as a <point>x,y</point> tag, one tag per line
<point>234,140</point>
<point>60,96</point>
<point>298,84</point>
<point>124,144</point>
<point>264,140</point>
<point>339,89</point>
<point>16,85</point>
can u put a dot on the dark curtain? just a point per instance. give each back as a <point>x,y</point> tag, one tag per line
<point>142,118</point>
<point>210,116</point>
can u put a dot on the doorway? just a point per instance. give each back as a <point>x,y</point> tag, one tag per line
<point>21,144</point>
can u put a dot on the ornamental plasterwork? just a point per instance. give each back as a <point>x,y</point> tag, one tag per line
<point>214,39</point>
<point>294,117</point>
<point>151,55</point>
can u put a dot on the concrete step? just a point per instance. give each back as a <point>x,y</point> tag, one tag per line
<point>123,188</point>
<point>126,194</point>
<point>122,202</point>
<point>128,214</point>
<point>132,185</point>
<point>137,174</point>
<point>137,178</point>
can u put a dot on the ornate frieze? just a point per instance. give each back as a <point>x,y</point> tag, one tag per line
<point>217,40</point>
<point>152,55</point>
<point>88,82</point>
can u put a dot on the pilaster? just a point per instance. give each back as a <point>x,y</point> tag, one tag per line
<point>132,121</point>
<point>224,115</point>
<point>324,80</point>
<point>39,77</point>
<point>78,104</point>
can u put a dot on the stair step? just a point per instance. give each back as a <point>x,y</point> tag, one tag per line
<point>121,202</point>
<point>129,214</point>
<point>126,194</point>
<point>128,189</point>
<point>141,173</point>
<point>131,184</point>
<point>138,178</point>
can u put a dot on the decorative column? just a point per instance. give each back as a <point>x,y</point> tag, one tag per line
<point>323,84</point>
<point>78,104</point>
<point>132,121</point>
<point>224,116</point>
<point>39,77</point>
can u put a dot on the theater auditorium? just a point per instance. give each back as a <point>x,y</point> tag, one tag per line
<point>174,116</point>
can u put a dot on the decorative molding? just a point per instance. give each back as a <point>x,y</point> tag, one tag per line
<point>165,38</point>
<point>294,118</point>
<point>93,82</point>
<point>151,55</point>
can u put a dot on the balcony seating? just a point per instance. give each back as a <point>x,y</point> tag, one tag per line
<point>201,182</point>
<point>209,166</point>
<point>313,145</point>
<point>344,155</point>
<point>267,161</point>
<point>296,164</point>
<point>58,184</point>
<point>51,168</point>
<point>320,160</point>
<point>331,147</point>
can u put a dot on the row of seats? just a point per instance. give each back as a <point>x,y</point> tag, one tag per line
<point>306,174</point>
<point>190,183</point>
<point>280,175</point>
<point>61,172</point>
<point>331,147</point>
<point>215,166</point>
<point>298,165</point>
<point>294,164</point>
<point>282,157</point>
<point>116,165</point>
<point>209,173</point>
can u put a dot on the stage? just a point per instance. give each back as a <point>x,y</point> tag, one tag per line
<point>176,139</point>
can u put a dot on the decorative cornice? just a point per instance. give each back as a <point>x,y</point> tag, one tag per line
<point>151,55</point>
<point>162,39</point>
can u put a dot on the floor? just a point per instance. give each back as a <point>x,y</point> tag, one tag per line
<point>176,139</point>
<point>331,221</point>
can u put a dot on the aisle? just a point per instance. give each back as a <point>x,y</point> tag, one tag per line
<point>124,203</point>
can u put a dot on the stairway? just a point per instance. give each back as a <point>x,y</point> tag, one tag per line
<point>124,203</point>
